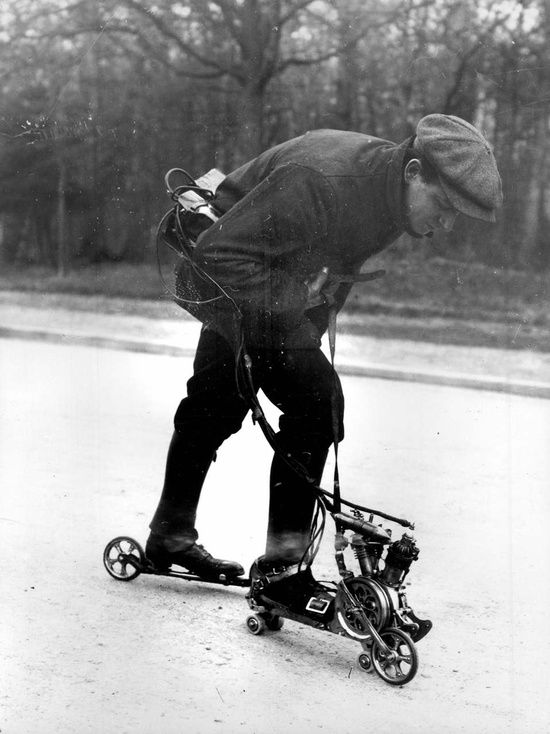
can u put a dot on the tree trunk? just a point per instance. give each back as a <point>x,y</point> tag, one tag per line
<point>534,205</point>
<point>61,218</point>
<point>250,123</point>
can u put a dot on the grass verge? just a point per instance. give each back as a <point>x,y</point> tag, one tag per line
<point>432,299</point>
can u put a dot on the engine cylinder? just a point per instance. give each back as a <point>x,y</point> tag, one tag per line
<point>398,560</point>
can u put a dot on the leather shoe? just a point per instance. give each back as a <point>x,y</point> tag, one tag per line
<point>194,557</point>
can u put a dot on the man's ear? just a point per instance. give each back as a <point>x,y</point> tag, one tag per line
<point>413,169</point>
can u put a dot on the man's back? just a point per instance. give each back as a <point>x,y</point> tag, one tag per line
<point>335,154</point>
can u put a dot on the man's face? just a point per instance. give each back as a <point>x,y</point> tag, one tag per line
<point>427,206</point>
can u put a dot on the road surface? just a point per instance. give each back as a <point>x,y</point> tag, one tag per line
<point>83,435</point>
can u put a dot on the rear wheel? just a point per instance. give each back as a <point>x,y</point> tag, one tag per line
<point>365,662</point>
<point>256,625</point>
<point>274,622</point>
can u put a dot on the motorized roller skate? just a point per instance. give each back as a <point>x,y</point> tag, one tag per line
<point>370,608</point>
<point>125,560</point>
<point>278,591</point>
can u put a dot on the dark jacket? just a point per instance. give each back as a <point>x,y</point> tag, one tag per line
<point>327,198</point>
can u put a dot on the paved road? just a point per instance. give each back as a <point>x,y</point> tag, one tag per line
<point>83,435</point>
<point>166,329</point>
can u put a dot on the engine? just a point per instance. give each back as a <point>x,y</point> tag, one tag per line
<point>378,593</point>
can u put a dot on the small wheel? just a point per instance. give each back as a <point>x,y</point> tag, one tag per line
<point>123,558</point>
<point>274,622</point>
<point>365,662</point>
<point>256,625</point>
<point>400,664</point>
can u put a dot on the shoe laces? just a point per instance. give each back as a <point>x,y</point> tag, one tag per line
<point>203,551</point>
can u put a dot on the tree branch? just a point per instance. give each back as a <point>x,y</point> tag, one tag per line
<point>293,12</point>
<point>166,32</point>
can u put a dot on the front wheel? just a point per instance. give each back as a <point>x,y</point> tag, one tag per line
<point>123,558</point>
<point>399,665</point>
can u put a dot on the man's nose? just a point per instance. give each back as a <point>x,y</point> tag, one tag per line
<point>447,220</point>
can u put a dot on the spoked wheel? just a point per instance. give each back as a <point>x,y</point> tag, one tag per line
<point>400,664</point>
<point>369,601</point>
<point>123,558</point>
<point>373,600</point>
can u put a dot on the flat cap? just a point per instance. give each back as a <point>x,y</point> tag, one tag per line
<point>464,162</point>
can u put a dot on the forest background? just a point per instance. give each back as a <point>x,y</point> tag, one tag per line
<point>99,98</point>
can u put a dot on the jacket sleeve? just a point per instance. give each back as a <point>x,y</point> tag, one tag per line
<point>261,250</point>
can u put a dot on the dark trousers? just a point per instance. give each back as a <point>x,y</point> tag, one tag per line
<point>301,383</point>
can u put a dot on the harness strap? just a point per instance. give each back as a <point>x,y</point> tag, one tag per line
<point>331,330</point>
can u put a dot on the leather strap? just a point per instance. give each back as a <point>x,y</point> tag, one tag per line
<point>334,407</point>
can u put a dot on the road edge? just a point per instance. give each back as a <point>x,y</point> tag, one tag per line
<point>523,388</point>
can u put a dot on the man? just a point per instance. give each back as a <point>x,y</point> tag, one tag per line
<point>294,220</point>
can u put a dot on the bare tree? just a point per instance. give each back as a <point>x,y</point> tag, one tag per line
<point>249,42</point>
